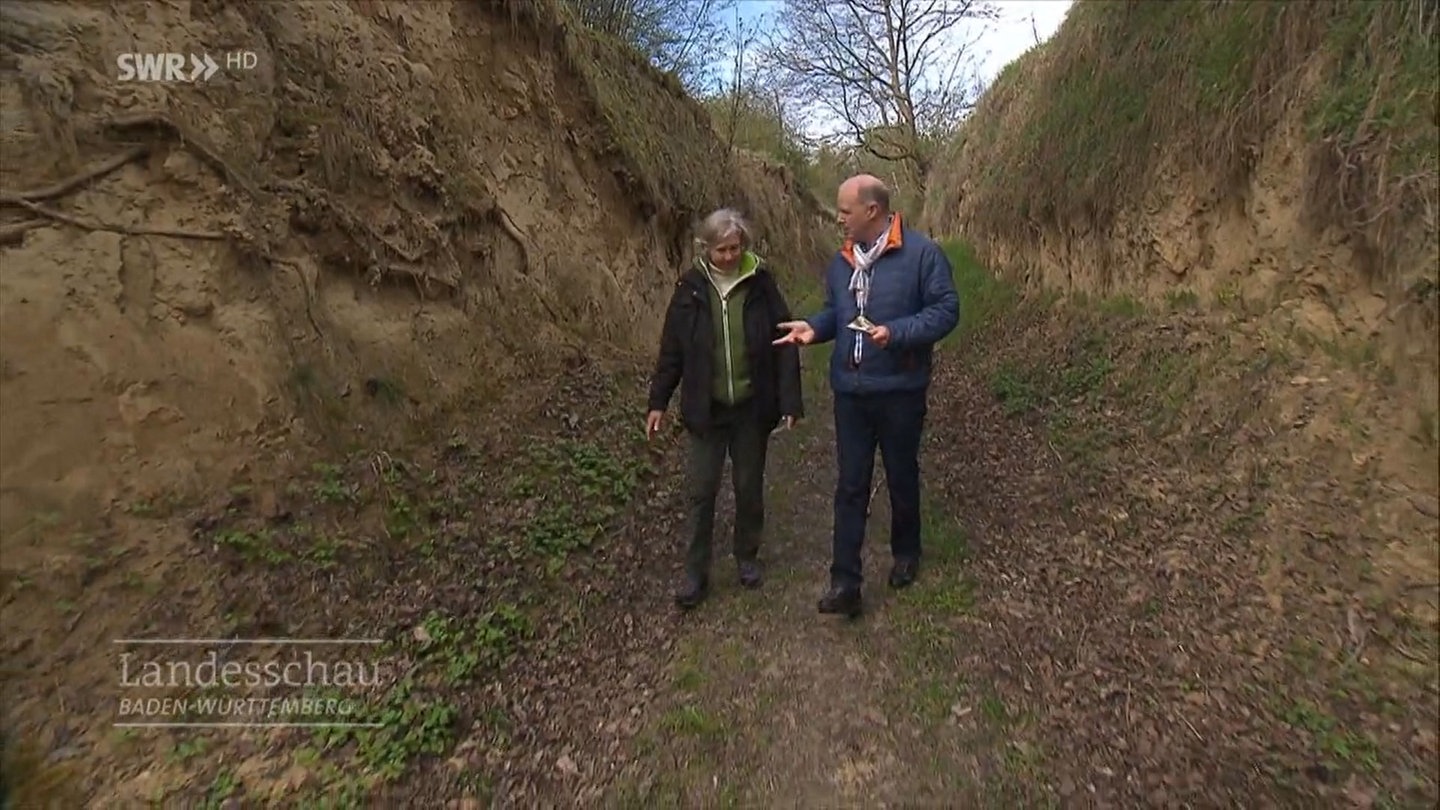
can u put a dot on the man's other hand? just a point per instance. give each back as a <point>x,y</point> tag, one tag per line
<point>797,332</point>
<point>881,335</point>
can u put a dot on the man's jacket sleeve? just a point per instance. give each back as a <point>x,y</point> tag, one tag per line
<point>939,305</point>
<point>669,365</point>
<point>823,322</point>
<point>792,400</point>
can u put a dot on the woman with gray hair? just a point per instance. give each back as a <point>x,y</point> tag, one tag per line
<point>736,387</point>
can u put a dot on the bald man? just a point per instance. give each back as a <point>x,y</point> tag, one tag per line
<point>889,298</point>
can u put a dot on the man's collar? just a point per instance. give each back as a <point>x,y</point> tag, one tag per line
<point>892,236</point>
<point>885,229</point>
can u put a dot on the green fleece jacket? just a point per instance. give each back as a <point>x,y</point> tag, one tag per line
<point>727,303</point>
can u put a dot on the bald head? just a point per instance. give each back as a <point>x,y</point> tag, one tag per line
<point>869,189</point>
<point>863,205</point>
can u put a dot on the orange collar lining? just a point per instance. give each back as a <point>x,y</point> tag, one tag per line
<point>892,241</point>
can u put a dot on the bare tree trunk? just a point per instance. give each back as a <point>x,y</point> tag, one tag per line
<point>736,83</point>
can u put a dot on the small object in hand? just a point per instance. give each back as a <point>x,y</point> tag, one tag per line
<point>861,324</point>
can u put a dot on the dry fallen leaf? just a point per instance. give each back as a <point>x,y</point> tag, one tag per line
<point>567,766</point>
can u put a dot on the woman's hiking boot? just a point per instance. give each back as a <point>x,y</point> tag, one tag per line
<point>692,592</point>
<point>750,576</point>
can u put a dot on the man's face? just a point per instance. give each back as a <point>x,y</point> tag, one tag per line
<point>725,254</point>
<point>856,219</point>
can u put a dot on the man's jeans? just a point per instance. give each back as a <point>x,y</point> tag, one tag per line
<point>893,421</point>
<point>735,432</point>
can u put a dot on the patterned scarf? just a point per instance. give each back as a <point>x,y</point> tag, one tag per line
<point>860,283</point>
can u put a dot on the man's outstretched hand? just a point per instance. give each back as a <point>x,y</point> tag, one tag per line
<point>797,332</point>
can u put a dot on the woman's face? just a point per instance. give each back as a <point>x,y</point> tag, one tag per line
<point>726,253</point>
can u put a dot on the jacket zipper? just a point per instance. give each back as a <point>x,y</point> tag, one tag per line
<point>725,333</point>
<point>729,360</point>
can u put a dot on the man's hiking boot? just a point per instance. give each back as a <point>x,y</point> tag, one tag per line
<point>904,572</point>
<point>749,573</point>
<point>841,600</point>
<point>692,592</point>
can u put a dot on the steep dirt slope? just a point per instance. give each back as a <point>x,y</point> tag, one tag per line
<point>407,219</point>
<point>379,206</point>
<point>1284,169</point>
<point>1259,152</point>
<point>1222,219</point>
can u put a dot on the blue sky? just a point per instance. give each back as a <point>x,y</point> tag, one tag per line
<point>1004,41</point>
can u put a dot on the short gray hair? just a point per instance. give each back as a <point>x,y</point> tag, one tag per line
<point>720,224</point>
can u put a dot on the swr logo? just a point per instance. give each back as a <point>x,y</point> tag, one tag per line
<point>165,67</point>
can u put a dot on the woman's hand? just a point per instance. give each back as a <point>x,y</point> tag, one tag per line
<point>652,424</point>
<point>788,422</point>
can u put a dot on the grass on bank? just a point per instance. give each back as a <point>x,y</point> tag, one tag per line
<point>1072,132</point>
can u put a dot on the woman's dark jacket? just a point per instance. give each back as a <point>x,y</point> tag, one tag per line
<point>687,352</point>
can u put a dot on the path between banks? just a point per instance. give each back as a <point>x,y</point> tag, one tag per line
<point>768,703</point>
<point>1094,623</point>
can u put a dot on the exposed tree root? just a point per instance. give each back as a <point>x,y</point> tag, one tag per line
<point>98,170</point>
<point>168,126</point>
<point>91,225</point>
<point>420,276</point>
<point>304,287</point>
<point>11,233</point>
<point>411,264</point>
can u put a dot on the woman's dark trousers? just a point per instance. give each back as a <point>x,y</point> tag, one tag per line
<point>734,432</point>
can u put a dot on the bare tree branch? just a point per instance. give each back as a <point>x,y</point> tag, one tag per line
<point>704,12</point>
<point>892,73</point>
